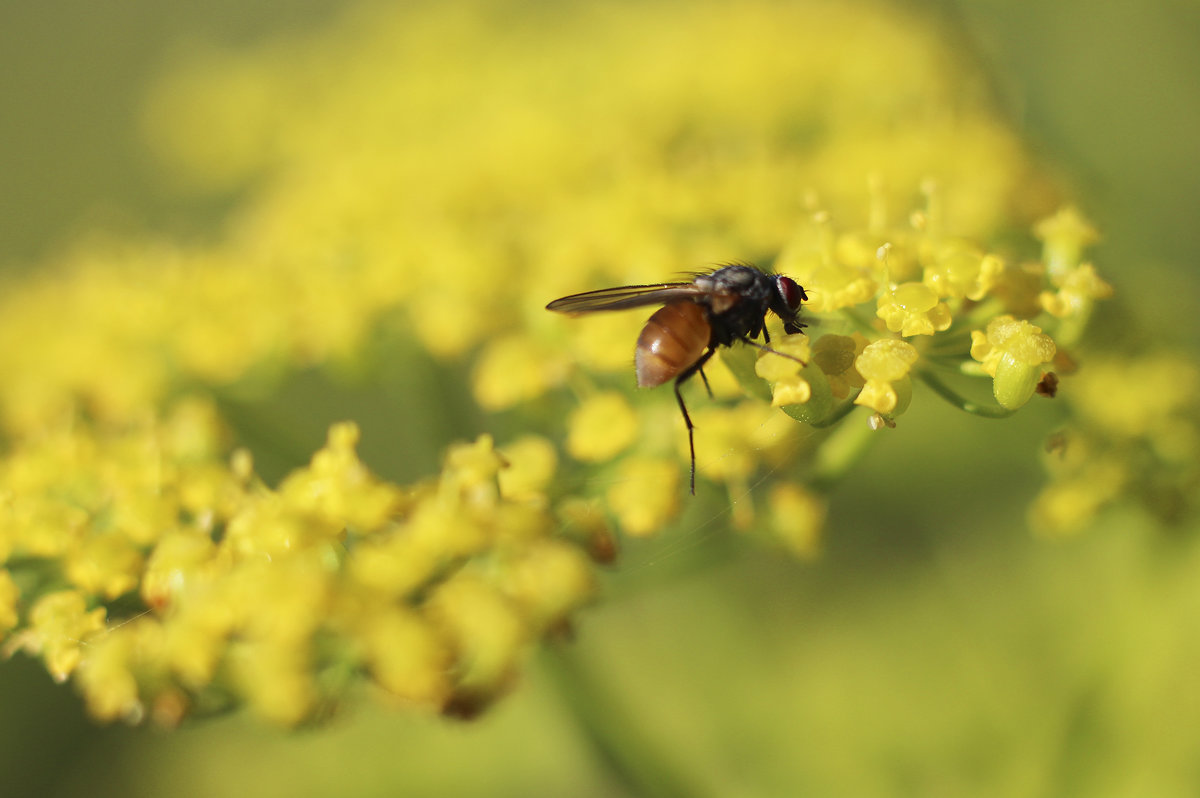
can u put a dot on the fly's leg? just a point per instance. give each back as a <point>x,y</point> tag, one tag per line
<point>757,345</point>
<point>687,420</point>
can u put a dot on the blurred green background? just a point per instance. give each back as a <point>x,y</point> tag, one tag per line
<point>936,648</point>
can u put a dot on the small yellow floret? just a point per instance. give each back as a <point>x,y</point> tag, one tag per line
<point>485,630</point>
<point>59,626</point>
<point>1147,396</point>
<point>884,364</point>
<point>549,579</point>
<point>104,564</point>
<point>9,596</point>
<point>601,427</point>
<point>276,678</point>
<point>529,465</point>
<point>797,516</point>
<point>913,309</point>
<point>338,488</point>
<point>1067,505</point>
<point>960,271</point>
<point>835,355</point>
<point>404,652</point>
<point>106,676</point>
<point>645,494</point>
<point>1064,237</point>
<point>515,369</point>
<point>1077,290</point>
<point>787,386</point>
<point>1013,351</point>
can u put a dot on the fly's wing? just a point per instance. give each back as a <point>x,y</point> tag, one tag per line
<point>626,296</point>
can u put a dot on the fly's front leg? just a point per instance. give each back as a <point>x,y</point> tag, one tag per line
<point>764,348</point>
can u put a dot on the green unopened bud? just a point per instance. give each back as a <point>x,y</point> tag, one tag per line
<point>820,402</point>
<point>1015,382</point>
<point>1013,352</point>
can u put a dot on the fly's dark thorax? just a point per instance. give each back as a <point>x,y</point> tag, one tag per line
<point>737,302</point>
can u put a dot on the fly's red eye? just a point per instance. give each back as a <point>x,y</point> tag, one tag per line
<point>791,291</point>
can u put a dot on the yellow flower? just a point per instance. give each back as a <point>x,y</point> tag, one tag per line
<point>485,630</point>
<point>644,494</point>
<point>196,634</point>
<point>338,488</point>
<point>723,450</point>
<point>812,258</point>
<point>404,652</point>
<point>601,427</point>
<point>585,520</point>
<point>513,370</point>
<point>1066,505</point>
<point>9,595</point>
<point>179,559</point>
<point>1064,236</point>
<point>797,516</point>
<point>275,676</point>
<point>833,287</point>
<point>550,580</point>
<point>104,564</point>
<point>913,309</point>
<point>788,387</point>
<point>884,365</point>
<point>835,355</point>
<point>107,675</point>
<point>959,270</point>
<point>1078,289</point>
<point>1150,396</point>
<point>529,465</point>
<point>59,626</point>
<point>367,241</point>
<point>1012,351</point>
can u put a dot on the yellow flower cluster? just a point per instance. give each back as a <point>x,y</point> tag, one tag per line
<point>417,183</point>
<point>1135,432</point>
<point>264,595</point>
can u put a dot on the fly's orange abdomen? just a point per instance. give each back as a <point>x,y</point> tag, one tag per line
<point>674,338</point>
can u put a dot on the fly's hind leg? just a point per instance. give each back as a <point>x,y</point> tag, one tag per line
<point>698,366</point>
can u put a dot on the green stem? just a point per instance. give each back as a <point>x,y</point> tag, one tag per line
<point>953,397</point>
<point>643,768</point>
